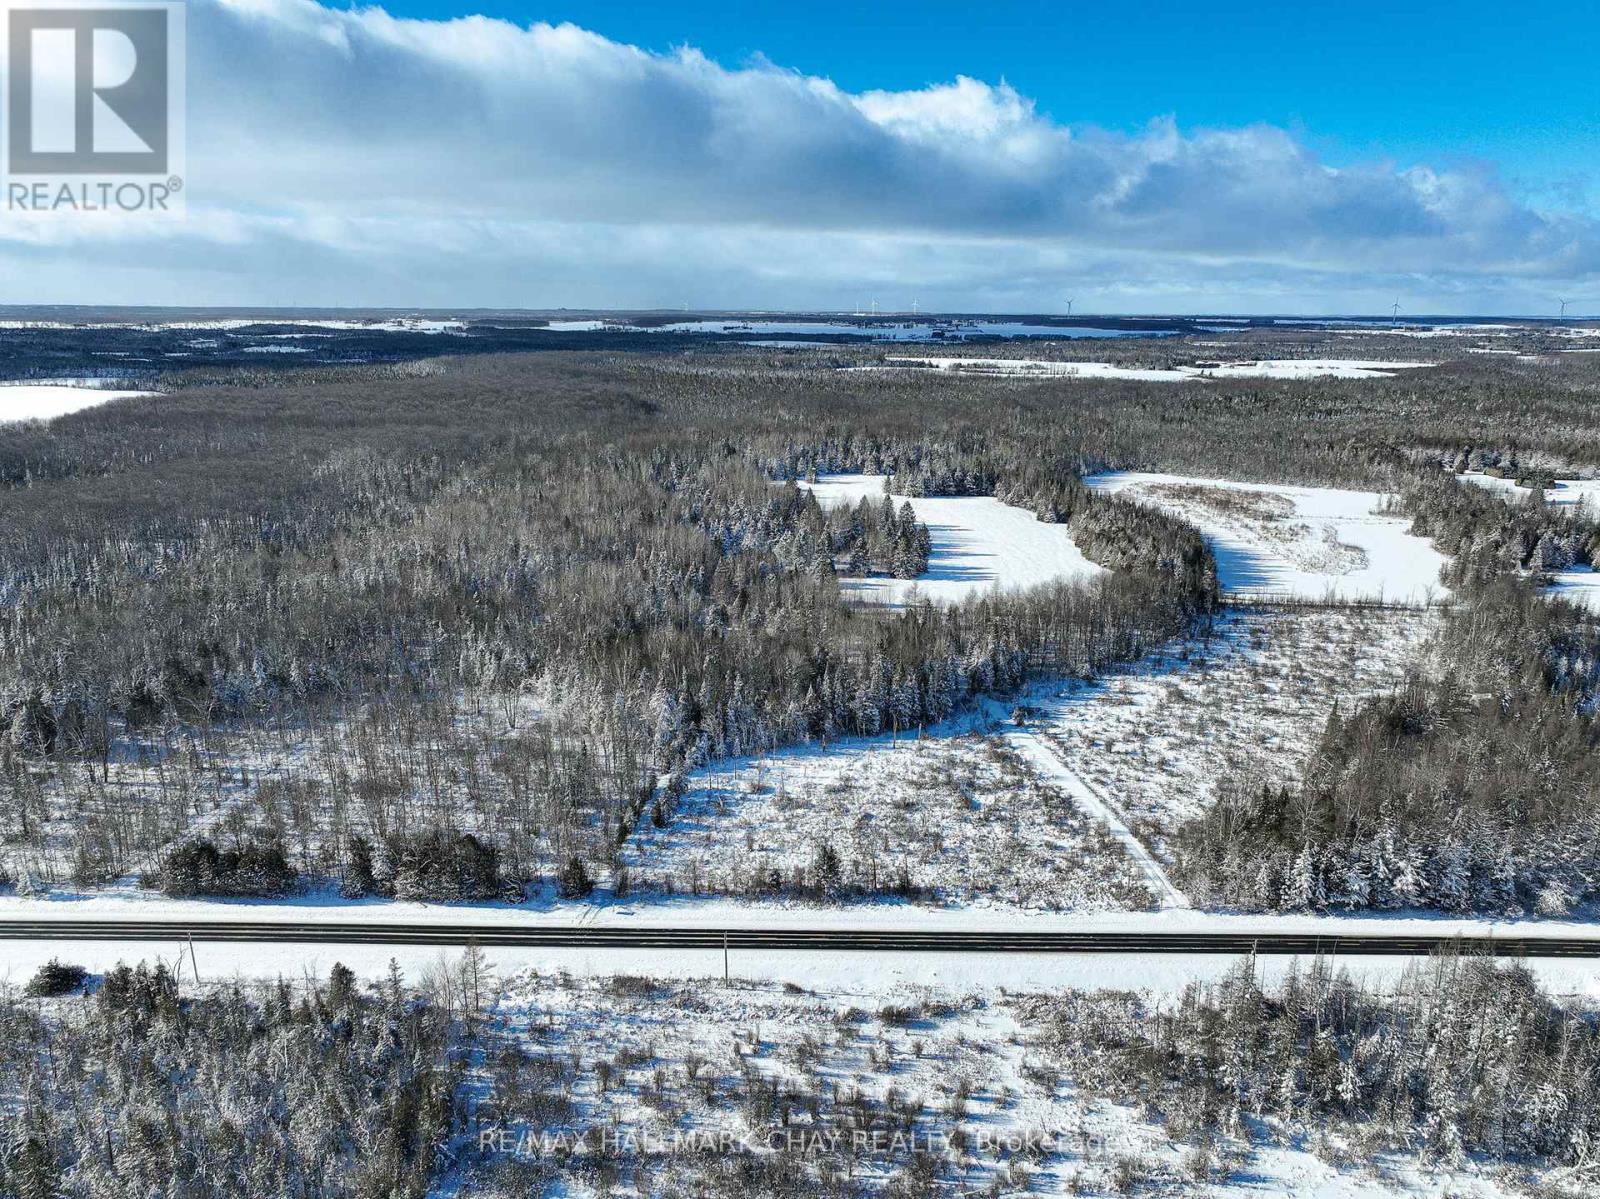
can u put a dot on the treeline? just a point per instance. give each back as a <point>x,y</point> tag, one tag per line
<point>1487,538</point>
<point>139,1090</point>
<point>1471,790</point>
<point>874,538</point>
<point>1467,1057</point>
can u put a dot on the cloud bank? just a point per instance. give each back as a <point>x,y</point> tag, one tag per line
<point>350,157</point>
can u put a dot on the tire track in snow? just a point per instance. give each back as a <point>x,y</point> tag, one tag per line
<point>1054,769</point>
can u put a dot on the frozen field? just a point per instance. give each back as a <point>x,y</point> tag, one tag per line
<point>1250,703</point>
<point>1567,493</point>
<point>1270,368</point>
<point>978,544</point>
<point>46,401</point>
<point>1272,540</point>
<point>1040,819</point>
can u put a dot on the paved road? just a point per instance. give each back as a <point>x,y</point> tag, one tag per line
<point>821,939</point>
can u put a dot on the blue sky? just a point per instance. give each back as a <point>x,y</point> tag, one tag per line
<point>1413,80</point>
<point>986,156</point>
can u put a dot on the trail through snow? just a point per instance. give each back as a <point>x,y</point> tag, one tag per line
<point>1050,766</point>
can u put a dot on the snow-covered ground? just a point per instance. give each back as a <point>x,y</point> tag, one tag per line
<point>1273,540</point>
<point>1567,493</point>
<point>1268,368</point>
<point>649,1059</point>
<point>982,814</point>
<point>978,544</point>
<point>877,971</point>
<point>46,401</point>
<point>1581,585</point>
<point>1248,703</point>
<point>969,820</point>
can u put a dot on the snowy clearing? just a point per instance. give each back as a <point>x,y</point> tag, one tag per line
<point>1278,541</point>
<point>967,820</point>
<point>46,401</point>
<point>969,1078</point>
<point>1270,368</point>
<point>984,815</point>
<point>1248,702</point>
<point>1567,493</point>
<point>978,544</point>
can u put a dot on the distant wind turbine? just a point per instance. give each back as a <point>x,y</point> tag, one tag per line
<point>1394,312</point>
<point>1564,304</point>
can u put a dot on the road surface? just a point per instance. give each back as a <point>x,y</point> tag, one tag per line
<point>832,940</point>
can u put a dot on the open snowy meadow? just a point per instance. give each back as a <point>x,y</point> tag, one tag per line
<point>1278,541</point>
<point>979,544</point>
<point>945,820</point>
<point>46,401</point>
<point>984,813</point>
<point>586,1084</point>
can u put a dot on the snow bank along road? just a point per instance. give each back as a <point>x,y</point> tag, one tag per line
<point>832,940</point>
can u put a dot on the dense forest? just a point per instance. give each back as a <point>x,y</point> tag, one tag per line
<point>501,604</point>
<point>1471,789</point>
<point>191,567</point>
<point>1466,1057</point>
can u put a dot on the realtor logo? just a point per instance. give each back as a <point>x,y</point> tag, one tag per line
<point>94,106</point>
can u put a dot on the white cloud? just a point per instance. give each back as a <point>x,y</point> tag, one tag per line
<point>352,157</point>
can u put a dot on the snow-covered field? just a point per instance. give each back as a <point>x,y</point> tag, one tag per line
<point>1268,368</point>
<point>978,544</point>
<point>1567,493</point>
<point>1273,540</point>
<point>981,819</point>
<point>964,820</point>
<point>46,401</point>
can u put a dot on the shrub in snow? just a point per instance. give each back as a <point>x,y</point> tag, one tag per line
<point>575,882</point>
<point>56,978</point>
